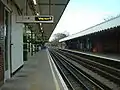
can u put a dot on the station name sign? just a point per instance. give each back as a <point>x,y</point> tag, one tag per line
<point>35,19</point>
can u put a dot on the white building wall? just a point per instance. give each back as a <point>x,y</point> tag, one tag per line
<point>17,43</point>
<point>16,36</point>
<point>7,57</point>
<point>7,72</point>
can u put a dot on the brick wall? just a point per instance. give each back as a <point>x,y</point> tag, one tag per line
<point>1,43</point>
<point>1,66</point>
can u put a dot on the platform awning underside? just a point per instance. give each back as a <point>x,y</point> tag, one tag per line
<point>46,7</point>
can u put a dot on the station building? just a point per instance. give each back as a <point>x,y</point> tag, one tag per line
<point>101,38</point>
<point>11,40</point>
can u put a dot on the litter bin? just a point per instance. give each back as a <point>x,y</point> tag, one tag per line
<point>25,52</point>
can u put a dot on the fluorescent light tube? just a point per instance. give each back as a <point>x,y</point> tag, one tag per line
<point>35,2</point>
<point>37,14</point>
<point>40,24</point>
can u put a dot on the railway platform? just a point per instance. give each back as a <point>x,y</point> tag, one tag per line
<point>109,56</point>
<point>38,73</point>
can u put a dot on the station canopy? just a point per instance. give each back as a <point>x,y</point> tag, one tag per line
<point>45,7</point>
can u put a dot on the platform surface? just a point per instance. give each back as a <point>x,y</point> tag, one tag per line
<point>110,56</point>
<point>36,74</point>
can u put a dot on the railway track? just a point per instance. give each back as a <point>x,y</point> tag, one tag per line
<point>104,61</point>
<point>75,78</point>
<point>108,72</point>
<point>71,80</point>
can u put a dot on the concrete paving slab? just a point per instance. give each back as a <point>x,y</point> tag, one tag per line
<point>35,75</point>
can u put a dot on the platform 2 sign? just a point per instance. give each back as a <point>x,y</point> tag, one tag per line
<point>35,19</point>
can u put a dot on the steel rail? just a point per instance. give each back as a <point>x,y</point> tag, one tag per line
<point>69,85</point>
<point>77,84</point>
<point>100,87</point>
<point>103,70</point>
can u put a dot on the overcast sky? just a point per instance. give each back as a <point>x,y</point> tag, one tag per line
<point>81,14</point>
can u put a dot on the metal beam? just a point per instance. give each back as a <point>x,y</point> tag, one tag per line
<point>32,7</point>
<point>60,4</point>
<point>49,7</point>
<point>18,8</point>
<point>5,4</point>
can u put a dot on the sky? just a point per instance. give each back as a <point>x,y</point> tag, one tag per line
<point>82,14</point>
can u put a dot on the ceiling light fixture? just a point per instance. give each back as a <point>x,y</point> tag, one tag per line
<point>35,2</point>
<point>37,14</point>
<point>41,28</point>
<point>40,24</point>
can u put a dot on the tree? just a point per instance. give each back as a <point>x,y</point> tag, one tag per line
<point>57,37</point>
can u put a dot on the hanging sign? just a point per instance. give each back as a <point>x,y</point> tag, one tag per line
<point>35,19</point>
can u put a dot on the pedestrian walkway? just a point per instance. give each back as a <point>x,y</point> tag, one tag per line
<point>36,74</point>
